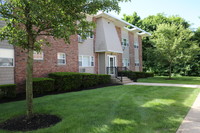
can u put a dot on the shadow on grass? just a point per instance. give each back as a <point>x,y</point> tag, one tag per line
<point>159,113</point>
<point>116,109</point>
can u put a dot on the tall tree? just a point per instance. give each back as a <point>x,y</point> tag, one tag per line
<point>150,24</point>
<point>26,20</point>
<point>133,19</point>
<point>173,44</point>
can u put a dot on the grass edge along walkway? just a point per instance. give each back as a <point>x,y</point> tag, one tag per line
<point>175,80</point>
<point>116,109</point>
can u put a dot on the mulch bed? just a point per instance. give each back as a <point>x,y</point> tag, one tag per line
<point>37,121</point>
<point>22,96</point>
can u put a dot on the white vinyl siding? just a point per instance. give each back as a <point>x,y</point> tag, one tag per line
<point>6,57</point>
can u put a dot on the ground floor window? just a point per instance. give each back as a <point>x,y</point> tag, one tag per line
<point>86,61</point>
<point>137,63</point>
<point>125,62</point>
<point>6,57</point>
<point>61,57</point>
<point>38,55</point>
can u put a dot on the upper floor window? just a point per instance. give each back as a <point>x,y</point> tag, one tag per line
<point>88,35</point>
<point>125,42</point>
<point>125,62</point>
<point>61,57</point>
<point>80,39</point>
<point>86,61</point>
<point>6,58</point>
<point>136,43</point>
<point>38,55</point>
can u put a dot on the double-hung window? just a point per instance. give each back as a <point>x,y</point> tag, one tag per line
<point>137,63</point>
<point>38,55</point>
<point>61,58</point>
<point>125,43</point>
<point>86,61</point>
<point>6,57</point>
<point>136,44</point>
<point>125,62</point>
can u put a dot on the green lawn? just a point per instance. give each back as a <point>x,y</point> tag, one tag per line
<point>175,80</point>
<point>117,109</point>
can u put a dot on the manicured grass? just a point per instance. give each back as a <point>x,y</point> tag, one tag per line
<point>175,80</point>
<point>116,109</point>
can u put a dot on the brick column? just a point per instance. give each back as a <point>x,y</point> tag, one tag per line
<point>131,51</point>
<point>96,55</point>
<point>140,52</point>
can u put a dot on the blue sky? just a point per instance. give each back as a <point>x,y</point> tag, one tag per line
<point>187,9</point>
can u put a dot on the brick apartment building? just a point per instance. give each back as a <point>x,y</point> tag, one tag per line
<point>112,45</point>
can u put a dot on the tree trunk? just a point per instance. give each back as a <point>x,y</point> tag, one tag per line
<point>29,83</point>
<point>170,70</point>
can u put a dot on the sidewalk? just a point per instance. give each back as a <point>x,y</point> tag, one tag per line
<point>163,84</point>
<point>191,123</point>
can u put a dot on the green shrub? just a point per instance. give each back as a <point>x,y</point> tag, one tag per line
<point>104,79</point>
<point>89,80</point>
<point>8,91</point>
<point>71,82</point>
<point>77,81</point>
<point>135,75</point>
<point>61,83</point>
<point>149,74</point>
<point>42,85</point>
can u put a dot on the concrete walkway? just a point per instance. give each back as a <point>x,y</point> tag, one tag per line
<point>191,123</point>
<point>163,84</point>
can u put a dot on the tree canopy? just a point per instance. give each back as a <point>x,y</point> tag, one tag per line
<point>26,20</point>
<point>173,44</point>
<point>151,60</point>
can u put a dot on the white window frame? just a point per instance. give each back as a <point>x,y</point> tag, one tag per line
<point>90,35</point>
<point>80,61</point>
<point>136,42</point>
<point>41,52</point>
<point>89,58</point>
<point>125,43</point>
<point>137,63</point>
<point>125,62</point>
<point>114,59</point>
<point>58,58</point>
<point>92,61</point>
<point>11,56</point>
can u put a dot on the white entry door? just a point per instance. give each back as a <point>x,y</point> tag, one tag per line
<point>112,65</point>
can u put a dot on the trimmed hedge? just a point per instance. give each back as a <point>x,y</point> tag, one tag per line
<point>135,75</point>
<point>7,91</point>
<point>66,81</point>
<point>42,85</point>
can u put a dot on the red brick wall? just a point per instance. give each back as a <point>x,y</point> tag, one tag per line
<point>131,51</point>
<point>49,63</point>
<point>96,55</point>
<point>140,52</point>
<point>119,56</point>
